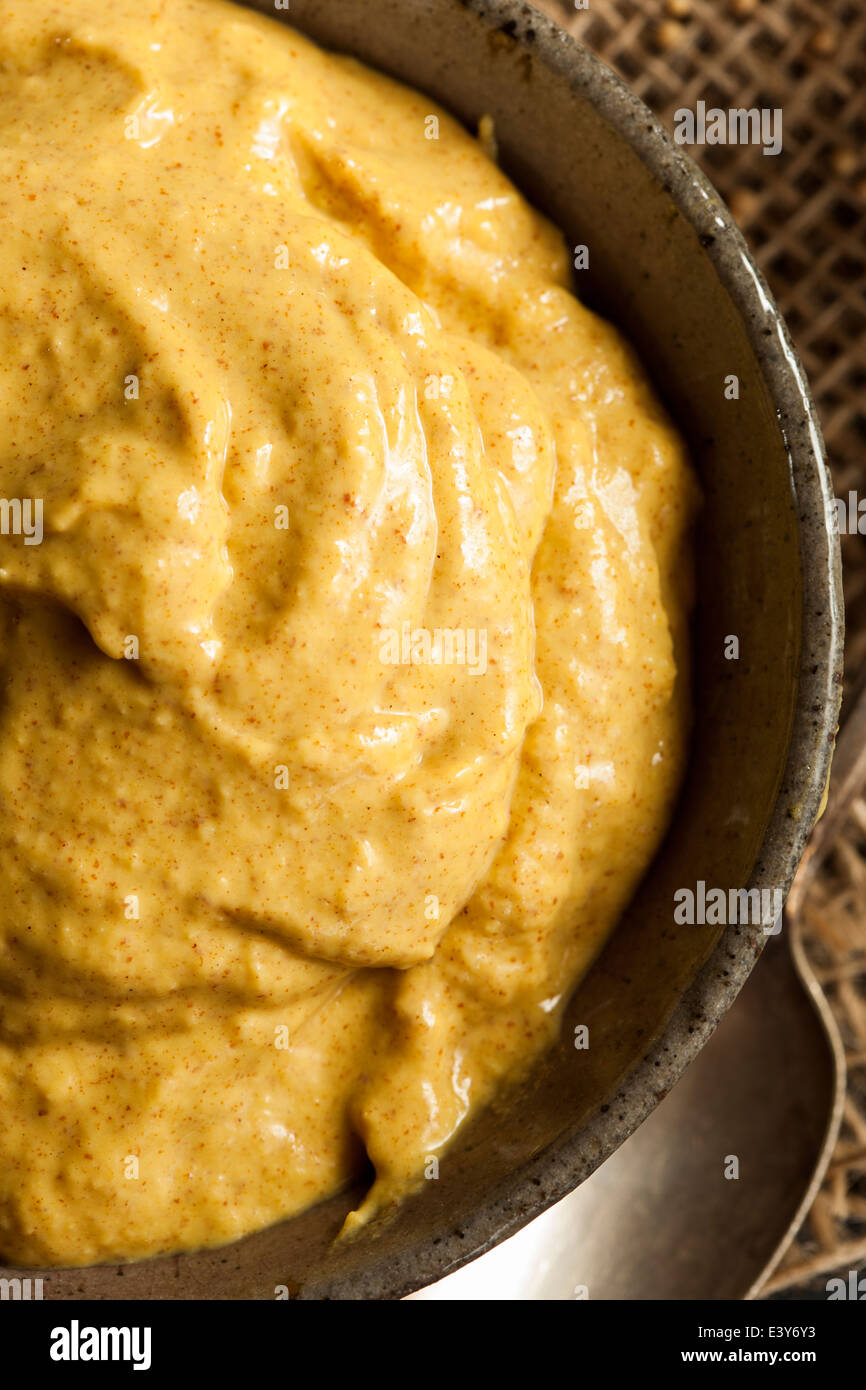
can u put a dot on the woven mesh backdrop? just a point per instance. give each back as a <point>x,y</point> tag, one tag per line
<point>803,212</point>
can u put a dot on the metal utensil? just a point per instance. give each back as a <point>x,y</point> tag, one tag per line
<point>704,1199</point>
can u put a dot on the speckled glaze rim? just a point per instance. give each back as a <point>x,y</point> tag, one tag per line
<point>564,1165</point>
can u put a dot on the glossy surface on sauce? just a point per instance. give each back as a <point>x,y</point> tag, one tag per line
<point>340,703</point>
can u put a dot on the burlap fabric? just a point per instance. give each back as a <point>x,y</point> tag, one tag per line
<point>804,213</point>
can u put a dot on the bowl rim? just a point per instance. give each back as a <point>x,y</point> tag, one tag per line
<point>561,1166</point>
<point>564,1164</point>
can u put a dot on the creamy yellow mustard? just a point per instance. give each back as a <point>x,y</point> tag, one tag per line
<point>343,678</point>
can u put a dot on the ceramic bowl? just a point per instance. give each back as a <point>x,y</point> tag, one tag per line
<point>669,266</point>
